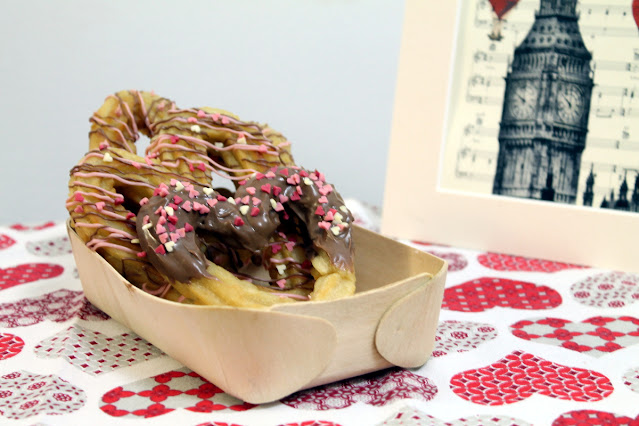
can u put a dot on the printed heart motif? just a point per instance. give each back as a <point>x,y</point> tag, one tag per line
<point>486,293</point>
<point>593,418</point>
<point>413,417</point>
<point>635,11</point>
<point>6,241</point>
<point>312,423</point>
<point>607,290</point>
<point>456,336</point>
<point>24,394</point>
<point>505,262</point>
<point>501,7</point>
<point>28,272</point>
<point>58,306</point>
<point>519,375</point>
<point>456,261</point>
<point>10,345</point>
<point>51,247</point>
<point>94,353</point>
<point>631,379</point>
<point>167,392</point>
<point>595,336</point>
<point>21,227</point>
<point>379,388</point>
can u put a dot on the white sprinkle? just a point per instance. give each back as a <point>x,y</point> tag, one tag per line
<point>281,268</point>
<point>135,241</point>
<point>307,181</point>
<point>273,203</point>
<point>343,208</point>
<point>231,200</point>
<point>195,128</point>
<point>147,226</point>
<point>107,157</point>
<point>207,190</point>
<point>219,145</point>
<point>169,210</point>
<point>338,218</point>
<point>169,246</point>
<point>241,139</point>
<point>179,186</point>
<point>335,230</point>
<point>244,209</point>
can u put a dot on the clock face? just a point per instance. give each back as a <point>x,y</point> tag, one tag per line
<point>570,104</point>
<point>522,100</point>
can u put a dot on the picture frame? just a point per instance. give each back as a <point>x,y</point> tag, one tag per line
<point>418,207</point>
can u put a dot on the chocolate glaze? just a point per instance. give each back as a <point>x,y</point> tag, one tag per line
<point>169,223</point>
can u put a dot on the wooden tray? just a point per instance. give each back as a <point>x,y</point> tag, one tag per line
<point>262,355</point>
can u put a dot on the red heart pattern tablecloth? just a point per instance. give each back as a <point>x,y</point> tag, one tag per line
<point>520,342</point>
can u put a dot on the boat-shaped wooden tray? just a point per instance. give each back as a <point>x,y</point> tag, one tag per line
<point>262,355</point>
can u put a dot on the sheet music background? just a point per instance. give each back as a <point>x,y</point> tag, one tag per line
<point>612,145</point>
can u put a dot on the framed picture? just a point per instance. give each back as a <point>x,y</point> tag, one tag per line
<point>516,129</point>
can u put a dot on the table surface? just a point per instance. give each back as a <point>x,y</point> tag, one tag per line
<point>520,341</point>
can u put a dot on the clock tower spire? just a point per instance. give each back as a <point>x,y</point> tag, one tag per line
<point>544,119</point>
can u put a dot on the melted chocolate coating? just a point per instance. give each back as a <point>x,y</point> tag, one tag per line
<point>169,223</point>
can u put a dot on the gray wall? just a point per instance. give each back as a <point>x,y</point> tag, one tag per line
<point>320,71</point>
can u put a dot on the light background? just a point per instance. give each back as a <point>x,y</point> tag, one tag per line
<point>322,72</point>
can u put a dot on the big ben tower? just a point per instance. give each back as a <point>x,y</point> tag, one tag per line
<point>545,112</point>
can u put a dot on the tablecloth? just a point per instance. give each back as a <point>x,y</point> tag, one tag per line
<point>520,341</point>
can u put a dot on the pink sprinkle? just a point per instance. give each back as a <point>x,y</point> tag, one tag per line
<point>270,174</point>
<point>78,197</point>
<point>160,249</point>
<point>251,190</point>
<point>324,225</point>
<point>173,219</point>
<point>242,182</point>
<point>197,206</point>
<point>159,229</point>
<point>276,248</point>
<point>193,193</point>
<point>119,199</point>
<point>283,198</point>
<point>211,202</point>
<point>129,215</point>
<point>262,149</point>
<point>188,227</point>
<point>295,196</point>
<point>181,232</point>
<point>162,220</point>
<point>177,199</point>
<point>163,237</point>
<point>174,139</point>
<point>158,210</point>
<point>278,207</point>
<point>221,198</point>
<point>259,176</point>
<point>163,192</point>
<point>246,199</point>
<point>192,120</point>
<point>255,211</point>
<point>136,164</point>
<point>326,189</point>
<point>329,217</point>
<point>256,201</point>
<point>322,199</point>
<point>103,146</point>
<point>290,245</point>
<point>276,190</point>
<point>321,176</point>
<point>266,188</point>
<point>215,116</point>
<point>141,254</point>
<point>303,173</point>
<point>313,176</point>
<point>147,160</point>
<point>201,114</point>
<point>145,219</point>
<point>320,211</point>
<point>284,172</point>
<point>175,236</point>
<point>238,221</point>
<point>281,283</point>
<point>237,200</point>
<point>204,209</point>
<point>202,167</point>
<point>173,181</point>
<point>299,190</point>
<point>225,120</point>
<point>187,206</point>
<point>190,167</point>
<point>100,205</point>
<point>171,227</point>
<point>78,209</point>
